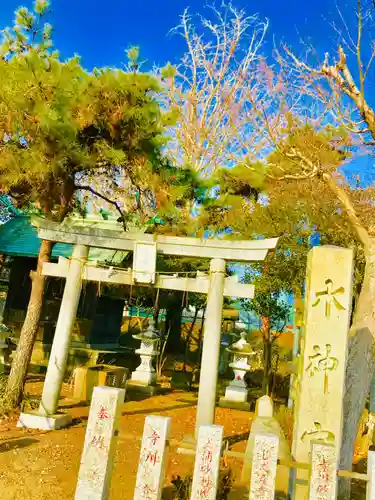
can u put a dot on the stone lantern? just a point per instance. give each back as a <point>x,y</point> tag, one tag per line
<point>236,394</point>
<point>145,374</point>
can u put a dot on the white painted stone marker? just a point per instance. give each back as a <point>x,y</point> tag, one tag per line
<point>323,480</point>
<point>150,475</point>
<point>370,490</point>
<point>95,472</point>
<point>207,462</point>
<point>263,471</point>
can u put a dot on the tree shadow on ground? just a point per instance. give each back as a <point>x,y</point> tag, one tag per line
<point>236,438</point>
<point>77,422</point>
<point>16,443</point>
<point>161,409</point>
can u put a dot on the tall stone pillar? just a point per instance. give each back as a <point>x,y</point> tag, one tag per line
<point>211,346</point>
<point>60,348</point>
<point>319,403</point>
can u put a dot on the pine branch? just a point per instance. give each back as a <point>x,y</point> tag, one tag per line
<point>105,198</point>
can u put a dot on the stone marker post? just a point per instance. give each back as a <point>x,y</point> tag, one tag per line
<point>323,480</point>
<point>211,346</point>
<point>61,341</point>
<point>372,396</point>
<point>95,472</point>
<point>319,404</point>
<point>263,470</point>
<point>207,463</point>
<point>150,475</point>
<point>370,490</point>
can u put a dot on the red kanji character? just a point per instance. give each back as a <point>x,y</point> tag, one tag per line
<point>154,437</point>
<point>152,456</point>
<point>206,465</point>
<point>322,488</point>
<point>323,470</point>
<point>206,486</point>
<point>103,413</point>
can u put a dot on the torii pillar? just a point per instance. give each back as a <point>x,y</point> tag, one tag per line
<point>46,417</point>
<point>211,346</point>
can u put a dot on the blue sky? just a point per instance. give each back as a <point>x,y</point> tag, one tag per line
<point>100,31</point>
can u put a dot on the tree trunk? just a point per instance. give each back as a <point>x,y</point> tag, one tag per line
<point>22,357</point>
<point>267,349</point>
<point>173,322</point>
<point>267,354</point>
<point>360,367</point>
<point>188,337</point>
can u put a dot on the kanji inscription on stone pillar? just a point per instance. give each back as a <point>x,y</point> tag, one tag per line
<point>150,475</point>
<point>323,480</point>
<point>207,462</point>
<point>319,402</point>
<point>94,477</point>
<point>370,491</point>
<point>263,470</point>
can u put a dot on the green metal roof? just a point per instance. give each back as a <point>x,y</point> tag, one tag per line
<point>18,238</point>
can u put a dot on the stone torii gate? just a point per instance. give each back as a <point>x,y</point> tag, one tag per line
<point>145,248</point>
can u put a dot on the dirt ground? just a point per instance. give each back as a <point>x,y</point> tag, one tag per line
<point>38,465</point>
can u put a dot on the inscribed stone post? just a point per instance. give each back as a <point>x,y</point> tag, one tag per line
<point>323,480</point>
<point>370,490</point>
<point>150,473</point>
<point>94,477</point>
<point>207,463</point>
<point>319,408</point>
<point>263,470</point>
<point>372,396</point>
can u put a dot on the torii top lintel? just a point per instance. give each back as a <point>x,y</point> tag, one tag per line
<point>117,239</point>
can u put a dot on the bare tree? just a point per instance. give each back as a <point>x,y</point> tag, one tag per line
<point>337,89</point>
<point>219,91</point>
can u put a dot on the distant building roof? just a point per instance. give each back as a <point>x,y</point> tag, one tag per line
<point>18,238</point>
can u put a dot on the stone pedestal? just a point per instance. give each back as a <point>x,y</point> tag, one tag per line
<point>33,420</point>
<point>236,394</point>
<point>86,378</point>
<point>319,405</point>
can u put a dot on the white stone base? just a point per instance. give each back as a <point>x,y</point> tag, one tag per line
<point>34,420</point>
<point>236,394</point>
<point>142,377</point>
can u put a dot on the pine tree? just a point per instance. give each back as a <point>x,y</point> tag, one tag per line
<point>65,131</point>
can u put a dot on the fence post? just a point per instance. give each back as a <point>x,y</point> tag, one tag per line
<point>150,475</point>
<point>263,468</point>
<point>94,478</point>
<point>207,462</point>
<point>323,480</point>
<point>370,490</point>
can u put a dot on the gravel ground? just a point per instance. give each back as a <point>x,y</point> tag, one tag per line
<point>37,465</point>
